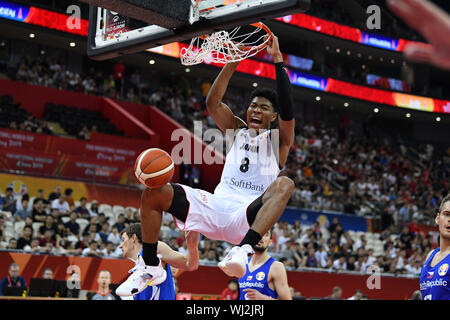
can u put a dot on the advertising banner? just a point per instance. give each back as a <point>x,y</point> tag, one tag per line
<point>112,195</point>
<point>28,162</point>
<point>89,169</point>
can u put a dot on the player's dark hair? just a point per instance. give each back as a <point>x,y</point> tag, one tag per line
<point>134,228</point>
<point>267,93</point>
<point>445,200</point>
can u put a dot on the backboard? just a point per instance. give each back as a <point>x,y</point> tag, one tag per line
<point>113,34</point>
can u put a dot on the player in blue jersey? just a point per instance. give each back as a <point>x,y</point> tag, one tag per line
<point>266,278</point>
<point>131,247</point>
<point>435,276</point>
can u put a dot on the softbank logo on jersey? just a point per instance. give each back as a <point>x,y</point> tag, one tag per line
<point>243,184</point>
<point>191,149</point>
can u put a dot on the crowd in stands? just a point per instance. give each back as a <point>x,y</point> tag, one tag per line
<point>338,170</point>
<point>14,117</point>
<point>56,224</point>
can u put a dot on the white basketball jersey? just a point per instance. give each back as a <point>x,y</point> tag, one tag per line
<point>250,167</point>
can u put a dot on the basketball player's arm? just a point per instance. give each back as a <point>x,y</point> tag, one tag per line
<point>285,102</point>
<point>189,261</point>
<point>219,111</point>
<point>280,281</point>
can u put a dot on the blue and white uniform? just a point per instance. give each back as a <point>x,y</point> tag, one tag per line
<point>435,281</point>
<point>258,280</point>
<point>163,291</point>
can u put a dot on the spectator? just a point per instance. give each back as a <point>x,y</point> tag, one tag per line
<point>61,235</point>
<point>69,198</point>
<point>38,213</point>
<point>94,211</point>
<point>104,232</point>
<point>92,250</point>
<point>310,260</point>
<point>129,216</point>
<point>40,197</point>
<point>336,294</point>
<point>56,215</point>
<point>84,134</point>
<point>26,237</point>
<point>101,219</point>
<point>110,250</point>
<point>406,237</point>
<point>12,245</point>
<point>333,225</point>
<point>49,225</point>
<point>114,236</point>
<point>48,237</point>
<point>72,226</point>
<point>47,273</point>
<point>83,243</point>
<point>231,292</point>
<point>82,210</point>
<point>103,292</point>
<point>8,202</point>
<point>414,267</point>
<point>340,264</point>
<point>55,194</point>
<point>23,212</point>
<point>120,224</point>
<point>62,205</point>
<point>33,247</point>
<point>93,234</point>
<point>211,258</point>
<point>13,280</point>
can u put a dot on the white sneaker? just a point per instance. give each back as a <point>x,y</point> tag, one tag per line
<point>235,263</point>
<point>141,277</point>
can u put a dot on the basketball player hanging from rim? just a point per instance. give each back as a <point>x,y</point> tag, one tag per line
<point>250,197</point>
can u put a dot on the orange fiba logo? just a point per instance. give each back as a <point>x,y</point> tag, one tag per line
<point>260,276</point>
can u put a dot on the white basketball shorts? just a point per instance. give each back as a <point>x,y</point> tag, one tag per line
<point>215,216</point>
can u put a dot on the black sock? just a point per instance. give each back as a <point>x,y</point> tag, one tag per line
<point>149,254</point>
<point>252,238</point>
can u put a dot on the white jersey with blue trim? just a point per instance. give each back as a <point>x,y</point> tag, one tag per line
<point>250,167</point>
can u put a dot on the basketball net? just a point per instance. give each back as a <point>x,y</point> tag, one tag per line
<point>225,47</point>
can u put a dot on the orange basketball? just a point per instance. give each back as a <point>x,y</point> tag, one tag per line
<point>154,168</point>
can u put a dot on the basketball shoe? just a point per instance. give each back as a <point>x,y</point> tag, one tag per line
<point>235,262</point>
<point>141,277</point>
